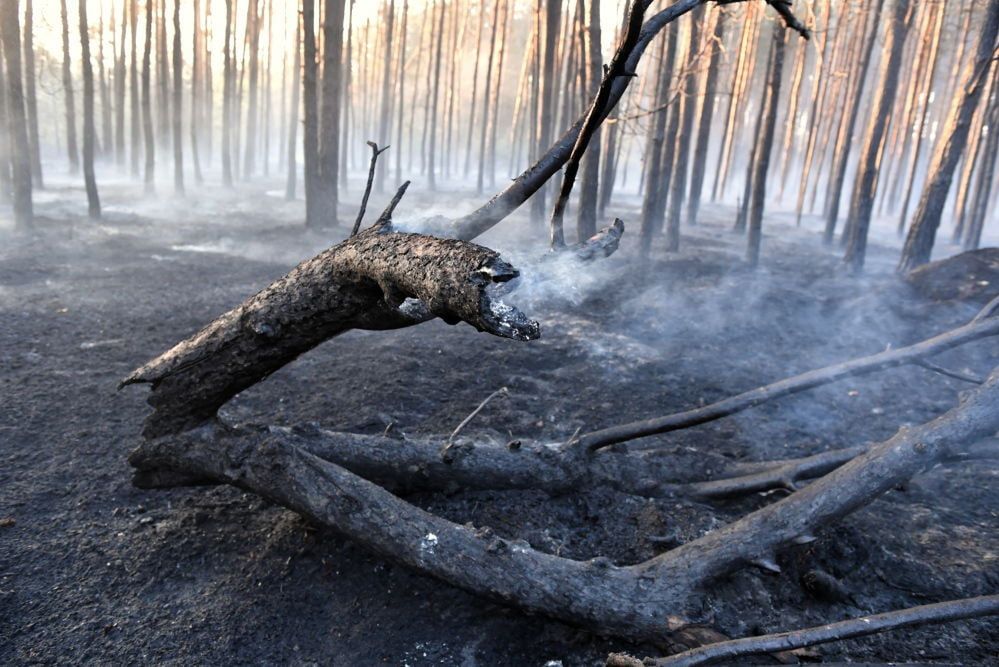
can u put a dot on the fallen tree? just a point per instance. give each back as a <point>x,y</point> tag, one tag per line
<point>382,278</point>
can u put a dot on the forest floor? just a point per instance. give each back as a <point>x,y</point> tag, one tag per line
<point>94,571</point>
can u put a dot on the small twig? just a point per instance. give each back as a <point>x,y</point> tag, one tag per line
<point>957,375</point>
<point>987,311</point>
<point>375,152</point>
<point>464,422</point>
<point>942,612</point>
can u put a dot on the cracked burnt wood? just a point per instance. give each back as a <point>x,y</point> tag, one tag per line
<point>632,601</point>
<point>368,282</point>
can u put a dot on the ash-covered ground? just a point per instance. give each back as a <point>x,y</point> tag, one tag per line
<point>94,571</point>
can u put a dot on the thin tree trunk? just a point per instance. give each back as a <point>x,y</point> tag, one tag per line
<point>432,148</point>
<point>475,86</point>
<point>699,165</point>
<point>196,65</point>
<point>480,179</point>
<point>347,117</point>
<point>162,76</point>
<point>401,76</point>
<point>265,130</point>
<point>986,176</point>
<point>385,119</point>
<point>681,146</point>
<point>31,99</point>
<point>655,139</point>
<point>136,137</point>
<point>89,129</point>
<point>107,138</point>
<point>844,142</point>
<point>147,109</point>
<point>178,107</point>
<point>253,75</point>
<point>20,157</point>
<point>766,140</point>
<point>547,97</point>
<point>72,149</point>
<point>586,225</point>
<point>6,183</point>
<point>296,77</point>
<point>922,234</point>
<point>866,181</point>
<point>494,116</point>
<point>227,80</point>
<point>329,147</point>
<point>310,127</point>
<point>119,88</point>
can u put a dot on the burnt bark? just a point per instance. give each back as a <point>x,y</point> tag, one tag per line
<point>31,96</point>
<point>699,165</point>
<point>72,149</point>
<point>89,124</point>
<point>177,109</point>
<point>147,104</point>
<point>20,160</point>
<point>922,232</point>
<point>589,192</point>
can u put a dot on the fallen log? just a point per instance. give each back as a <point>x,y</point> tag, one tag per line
<point>630,601</point>
<point>941,612</point>
<point>983,325</point>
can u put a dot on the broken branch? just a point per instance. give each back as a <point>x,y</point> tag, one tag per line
<point>375,152</point>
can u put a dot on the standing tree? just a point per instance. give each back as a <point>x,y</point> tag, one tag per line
<point>547,96</point>
<point>196,109</point>
<point>119,90</point>
<point>31,98</point>
<point>589,192</point>
<point>292,164</point>
<point>329,137</point>
<point>844,141</point>
<point>385,121</point>
<point>432,149</point>
<point>20,159</point>
<point>177,108</point>
<point>89,129</point>
<point>227,79</point>
<point>699,165</point>
<point>922,233</point>
<point>865,186</point>
<point>252,110</point>
<point>762,153</point>
<point>133,17</point>
<point>67,88</point>
<point>310,126</point>
<point>147,106</point>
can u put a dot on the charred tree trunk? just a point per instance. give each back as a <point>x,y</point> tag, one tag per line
<point>253,75</point>
<point>73,151</point>
<point>480,180</point>
<point>163,117</point>
<point>196,73</point>
<point>5,139</point>
<point>986,176</point>
<point>329,128</point>
<point>385,120</point>
<point>296,77</point>
<point>136,138</point>
<point>89,124</point>
<point>107,137</point>
<point>31,97</point>
<point>589,192</point>
<point>177,108</point>
<point>681,146</point>
<point>651,218</point>
<point>699,166</point>
<point>20,157</point>
<point>401,99</point>
<point>844,142</point>
<point>862,203</point>
<point>119,89</point>
<point>147,103</point>
<point>547,99</point>
<point>227,95</point>
<point>922,233</point>
<point>431,154</point>
<point>766,140</point>
<point>310,126</point>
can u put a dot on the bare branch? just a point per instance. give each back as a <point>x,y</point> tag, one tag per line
<point>375,152</point>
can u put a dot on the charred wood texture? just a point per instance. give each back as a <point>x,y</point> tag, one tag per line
<point>361,283</point>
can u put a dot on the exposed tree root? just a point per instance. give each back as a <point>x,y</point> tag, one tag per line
<point>941,612</point>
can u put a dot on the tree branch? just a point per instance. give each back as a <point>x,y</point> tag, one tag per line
<point>375,152</point>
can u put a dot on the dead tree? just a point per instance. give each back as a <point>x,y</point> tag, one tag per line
<point>761,164</point>
<point>385,119</point>
<point>699,165</point>
<point>147,104</point>
<point>177,108</point>
<point>20,159</point>
<point>586,225</point>
<point>136,147</point>
<point>434,96</point>
<point>5,143</point>
<point>922,232</point>
<point>227,97</point>
<point>296,77</point>
<point>107,137</point>
<point>326,186</point>
<point>31,97</point>
<point>546,94</point>
<point>865,185</point>
<point>253,74</point>
<point>844,140</point>
<point>73,151</point>
<point>89,129</point>
<point>119,89</point>
<point>483,127</point>
<point>310,125</point>
<point>196,73</point>
<point>163,116</point>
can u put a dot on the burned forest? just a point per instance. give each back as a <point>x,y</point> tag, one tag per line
<point>499,332</point>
